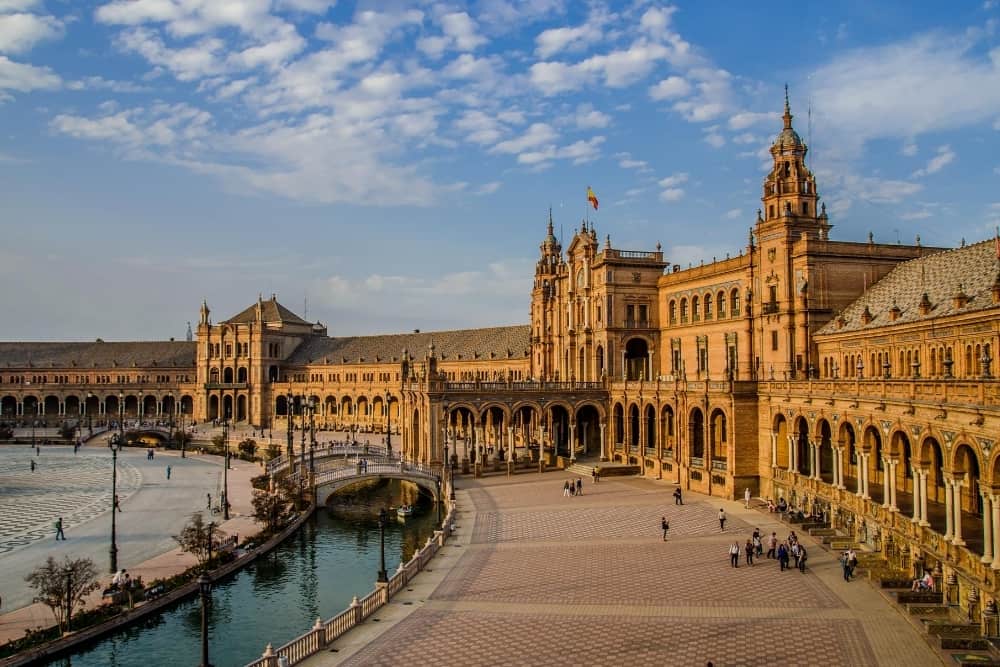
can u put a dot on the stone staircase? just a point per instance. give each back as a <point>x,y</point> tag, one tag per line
<point>605,469</point>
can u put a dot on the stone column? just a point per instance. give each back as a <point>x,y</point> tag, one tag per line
<point>861,475</point>
<point>864,470</point>
<point>987,529</point>
<point>510,438</point>
<point>838,467</point>
<point>893,484</point>
<point>996,532</point>
<point>774,450</point>
<point>572,441</point>
<point>948,515</point>
<point>793,452</point>
<point>957,505</point>
<point>885,482</point>
<point>917,492</point>
<point>923,499</point>
<point>62,408</point>
<point>604,454</point>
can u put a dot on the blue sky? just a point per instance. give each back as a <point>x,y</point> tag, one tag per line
<point>392,163</point>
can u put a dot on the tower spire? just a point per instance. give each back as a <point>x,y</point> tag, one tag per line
<point>788,111</point>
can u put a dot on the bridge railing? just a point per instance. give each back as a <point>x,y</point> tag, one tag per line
<point>324,633</point>
<point>374,468</point>
<point>279,463</point>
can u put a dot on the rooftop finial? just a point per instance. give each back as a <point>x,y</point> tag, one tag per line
<point>788,111</point>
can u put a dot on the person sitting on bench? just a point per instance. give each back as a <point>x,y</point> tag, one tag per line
<point>925,583</point>
<point>782,505</point>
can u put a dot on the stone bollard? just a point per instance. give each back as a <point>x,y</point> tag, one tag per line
<point>320,631</point>
<point>356,606</point>
<point>439,536</point>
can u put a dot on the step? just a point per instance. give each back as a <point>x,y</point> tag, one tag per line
<point>964,643</point>
<point>929,612</point>
<point>918,597</point>
<point>945,629</point>
<point>975,660</point>
<point>823,532</point>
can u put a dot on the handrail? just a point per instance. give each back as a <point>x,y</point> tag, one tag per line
<point>323,633</point>
<point>279,463</point>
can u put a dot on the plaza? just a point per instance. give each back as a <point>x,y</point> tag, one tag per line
<point>534,578</point>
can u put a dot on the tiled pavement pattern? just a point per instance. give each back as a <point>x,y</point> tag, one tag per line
<point>516,640</point>
<point>545,580</point>
<point>76,487</point>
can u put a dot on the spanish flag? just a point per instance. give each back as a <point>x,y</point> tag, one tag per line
<point>591,197</point>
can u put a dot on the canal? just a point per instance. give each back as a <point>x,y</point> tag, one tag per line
<point>315,573</point>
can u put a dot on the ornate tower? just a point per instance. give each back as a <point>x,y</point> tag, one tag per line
<point>544,310</point>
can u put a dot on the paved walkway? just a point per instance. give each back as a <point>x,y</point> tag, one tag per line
<point>153,509</point>
<point>533,578</point>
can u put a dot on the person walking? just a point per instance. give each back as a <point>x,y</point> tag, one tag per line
<point>168,472</point>
<point>677,496</point>
<point>748,550</point>
<point>758,546</point>
<point>796,552</point>
<point>783,556</point>
<point>566,489</point>
<point>595,475</point>
<point>772,545</point>
<point>32,465</point>
<point>722,519</point>
<point>665,525</point>
<point>118,507</point>
<point>734,554</point>
<point>746,497</point>
<point>845,564</point>
<point>579,486</point>
<point>852,560</point>
<point>208,499</point>
<point>802,559</point>
<point>59,530</point>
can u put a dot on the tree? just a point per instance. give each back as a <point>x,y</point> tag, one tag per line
<point>248,448</point>
<point>271,510</point>
<point>199,539</point>
<point>67,432</point>
<point>182,438</point>
<point>63,586</point>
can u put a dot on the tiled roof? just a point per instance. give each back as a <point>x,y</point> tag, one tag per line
<point>168,354</point>
<point>272,312</point>
<point>448,345</point>
<point>939,275</point>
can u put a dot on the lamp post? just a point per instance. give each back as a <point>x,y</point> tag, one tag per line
<point>302,440</point>
<point>382,519</point>
<point>170,436</point>
<point>138,410</point>
<point>205,588</point>
<point>440,499</point>
<point>113,551</point>
<point>388,426</point>
<point>90,419</point>
<point>121,419</point>
<point>312,433</point>
<point>180,409</point>
<point>225,470</point>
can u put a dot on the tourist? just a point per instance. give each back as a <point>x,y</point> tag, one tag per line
<point>208,498</point>
<point>579,486</point>
<point>594,474</point>
<point>32,465</point>
<point>758,546</point>
<point>802,559</point>
<point>749,549</point>
<point>770,505</point>
<point>852,560</point>
<point>722,519</point>
<point>772,545</point>
<point>925,583</point>
<point>566,489</point>
<point>677,496</point>
<point>117,506</point>
<point>845,564</point>
<point>746,497</point>
<point>59,530</point>
<point>782,505</point>
<point>783,556</point>
<point>734,554</point>
<point>796,552</point>
<point>665,525</point>
<point>168,472</point>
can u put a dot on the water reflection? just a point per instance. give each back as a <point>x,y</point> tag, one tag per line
<point>315,573</point>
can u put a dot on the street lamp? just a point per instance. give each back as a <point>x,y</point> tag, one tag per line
<point>90,419</point>
<point>225,470</point>
<point>312,433</point>
<point>289,453</point>
<point>382,519</point>
<point>205,588</point>
<point>388,426</point>
<point>180,409</point>
<point>138,410</point>
<point>121,419</point>
<point>113,551</point>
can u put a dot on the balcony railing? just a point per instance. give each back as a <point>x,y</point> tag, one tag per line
<point>638,324</point>
<point>718,464</point>
<point>521,386</point>
<point>769,308</point>
<point>697,462</point>
<point>225,385</point>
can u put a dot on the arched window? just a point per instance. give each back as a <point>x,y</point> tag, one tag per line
<point>684,313</point>
<point>734,302</point>
<point>720,300</point>
<point>672,310</point>
<point>708,306</point>
<point>695,312</point>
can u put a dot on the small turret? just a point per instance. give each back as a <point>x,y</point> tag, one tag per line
<point>204,312</point>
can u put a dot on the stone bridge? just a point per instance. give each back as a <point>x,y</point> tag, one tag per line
<point>427,478</point>
<point>319,454</point>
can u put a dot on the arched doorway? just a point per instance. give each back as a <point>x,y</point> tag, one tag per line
<point>718,438</point>
<point>633,426</point>
<point>636,359</point>
<point>851,472</point>
<point>968,498</point>
<point>281,406</point>
<point>241,408</point>
<point>559,429</point>
<point>8,408</point>
<point>932,460</point>
<point>802,452</point>
<point>696,436</point>
<point>667,437</point>
<point>619,413</point>
<point>227,376</point>
<point>227,407</point>
<point>588,430</point>
<point>873,445</point>
<point>649,436</point>
<point>825,452</point>
<point>782,453</point>
<point>213,407</point>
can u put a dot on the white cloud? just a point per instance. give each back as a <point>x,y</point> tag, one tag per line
<point>670,88</point>
<point>674,180</point>
<point>25,78</point>
<point>745,119</point>
<point>916,215</point>
<point>672,194</point>
<point>536,135</point>
<point>459,32</point>
<point>588,118</point>
<point>745,138</point>
<point>909,148</point>
<point>552,41</point>
<point>489,188</point>
<point>18,5</point>
<point>734,214</point>
<point>20,32</point>
<point>713,138</point>
<point>625,161</point>
<point>945,156</point>
<point>616,69</point>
